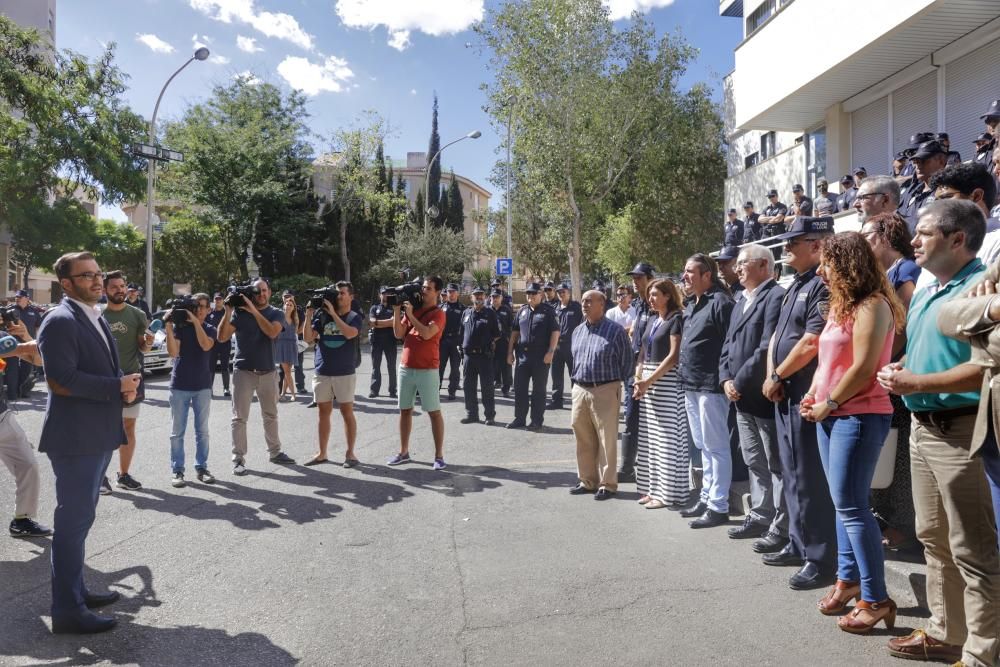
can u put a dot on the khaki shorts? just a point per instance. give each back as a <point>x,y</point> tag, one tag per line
<point>338,388</point>
<point>131,411</point>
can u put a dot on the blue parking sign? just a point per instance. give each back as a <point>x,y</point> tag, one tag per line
<point>505,266</point>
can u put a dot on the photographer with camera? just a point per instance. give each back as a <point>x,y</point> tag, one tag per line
<point>129,327</point>
<point>190,341</point>
<point>256,324</point>
<point>334,378</point>
<point>421,330</point>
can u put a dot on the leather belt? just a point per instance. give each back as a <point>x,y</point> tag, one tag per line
<point>594,385</point>
<point>475,350</point>
<point>941,419</point>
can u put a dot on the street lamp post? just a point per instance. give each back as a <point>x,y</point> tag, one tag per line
<point>432,211</point>
<point>510,119</point>
<point>201,54</point>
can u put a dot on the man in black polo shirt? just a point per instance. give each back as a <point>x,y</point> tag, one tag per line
<point>570,315</point>
<point>383,342</point>
<point>480,332</point>
<point>533,340</point>
<point>503,376</point>
<point>31,317</point>
<point>451,339</point>
<point>221,352</point>
<point>773,220</point>
<point>992,120</point>
<point>801,205</point>
<point>549,290</point>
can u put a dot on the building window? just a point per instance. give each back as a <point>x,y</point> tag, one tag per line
<point>760,15</point>
<point>815,158</point>
<point>767,145</point>
<point>751,160</point>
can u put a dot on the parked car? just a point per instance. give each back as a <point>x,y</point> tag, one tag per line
<point>157,359</point>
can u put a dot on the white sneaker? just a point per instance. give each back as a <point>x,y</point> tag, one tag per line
<point>239,468</point>
<point>178,480</point>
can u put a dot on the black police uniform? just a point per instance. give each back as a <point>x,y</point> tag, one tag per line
<point>630,437</point>
<point>913,198</point>
<point>503,376</point>
<point>804,207</point>
<point>811,527</point>
<point>773,228</point>
<point>31,318</point>
<point>480,332</point>
<point>751,229</point>
<point>534,328</point>
<point>732,232</point>
<point>451,340</point>
<point>845,201</point>
<point>570,316</point>
<point>219,355</point>
<point>383,342</point>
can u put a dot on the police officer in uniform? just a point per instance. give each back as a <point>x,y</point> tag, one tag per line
<point>533,339</point>
<point>642,276</point>
<point>732,229</point>
<point>848,192</point>
<point>383,342</point>
<point>570,315</point>
<point>773,220</point>
<point>451,339</point>
<point>220,353</point>
<point>791,364</point>
<point>502,373</point>
<point>801,205</point>
<point>917,193</point>
<point>31,317</point>
<point>992,119</point>
<point>508,300</point>
<point>480,333</point>
<point>751,224</point>
<point>549,288</point>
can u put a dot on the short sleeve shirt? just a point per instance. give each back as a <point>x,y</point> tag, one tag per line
<point>623,317</point>
<point>535,328</point>
<point>656,342</point>
<point>825,204</point>
<point>902,272</point>
<point>254,348</point>
<point>192,369</point>
<point>803,311</point>
<point>805,207</point>
<point>384,335</point>
<point>420,354</point>
<point>334,357</point>
<point>126,326</point>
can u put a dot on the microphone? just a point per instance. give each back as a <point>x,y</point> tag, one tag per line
<point>8,344</point>
<point>154,326</point>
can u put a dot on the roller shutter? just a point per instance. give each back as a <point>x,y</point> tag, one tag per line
<point>870,137</point>
<point>970,86</point>
<point>914,109</point>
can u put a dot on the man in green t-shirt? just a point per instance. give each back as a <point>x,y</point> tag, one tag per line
<point>128,325</point>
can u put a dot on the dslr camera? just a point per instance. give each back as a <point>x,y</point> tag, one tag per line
<point>316,297</point>
<point>238,295</point>
<point>9,315</point>
<point>176,305</point>
<point>412,292</point>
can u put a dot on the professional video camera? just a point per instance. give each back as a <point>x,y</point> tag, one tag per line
<point>316,297</point>
<point>9,315</point>
<point>237,294</point>
<point>176,305</point>
<point>412,292</point>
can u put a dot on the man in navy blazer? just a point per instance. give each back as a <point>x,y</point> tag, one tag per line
<point>82,428</point>
<point>742,371</point>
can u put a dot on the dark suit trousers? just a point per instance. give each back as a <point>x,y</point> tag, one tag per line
<point>502,372</point>
<point>630,436</point>
<point>389,352</point>
<point>478,368</point>
<point>535,372</point>
<point>78,480</point>
<point>450,353</point>
<point>811,524</point>
<point>220,356</point>
<point>562,363</point>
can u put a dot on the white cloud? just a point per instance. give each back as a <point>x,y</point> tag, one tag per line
<point>154,43</point>
<point>401,17</point>
<point>270,24</point>
<point>248,77</point>
<point>247,44</point>
<point>314,78</point>
<point>198,41</point>
<point>622,9</point>
<point>218,60</point>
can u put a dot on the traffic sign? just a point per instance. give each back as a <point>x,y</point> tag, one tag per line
<point>157,153</point>
<point>505,266</point>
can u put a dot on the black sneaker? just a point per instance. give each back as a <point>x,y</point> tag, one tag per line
<point>373,394</point>
<point>226,393</point>
<point>127,481</point>
<point>469,420</point>
<point>204,476</point>
<point>105,487</point>
<point>282,458</point>
<point>312,404</point>
<point>26,527</point>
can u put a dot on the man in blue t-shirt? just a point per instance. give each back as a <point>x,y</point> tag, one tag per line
<point>191,345</point>
<point>333,376</point>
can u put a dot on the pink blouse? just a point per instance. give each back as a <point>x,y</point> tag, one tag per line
<point>836,354</point>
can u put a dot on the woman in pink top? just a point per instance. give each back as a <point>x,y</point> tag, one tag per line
<point>852,414</point>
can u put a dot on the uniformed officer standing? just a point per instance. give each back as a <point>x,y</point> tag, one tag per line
<point>929,159</point>
<point>773,220</point>
<point>848,192</point>
<point>732,229</point>
<point>751,224</point>
<point>791,364</point>
<point>570,315</point>
<point>642,276</point>
<point>508,300</point>
<point>31,317</point>
<point>451,340</point>
<point>801,205</point>
<point>383,342</point>
<point>480,333</point>
<point>549,288</point>
<point>502,373</point>
<point>534,339</point>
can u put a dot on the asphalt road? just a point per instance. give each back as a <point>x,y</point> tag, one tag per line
<point>488,562</point>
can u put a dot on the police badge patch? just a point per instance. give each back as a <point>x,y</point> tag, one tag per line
<point>824,308</point>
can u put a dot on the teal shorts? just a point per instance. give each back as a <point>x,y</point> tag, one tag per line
<point>423,381</point>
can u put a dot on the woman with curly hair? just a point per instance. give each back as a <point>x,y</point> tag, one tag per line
<point>852,414</point>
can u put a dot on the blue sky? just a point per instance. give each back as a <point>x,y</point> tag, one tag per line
<point>347,56</point>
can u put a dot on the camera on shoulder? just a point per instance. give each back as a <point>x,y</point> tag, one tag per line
<point>317,296</point>
<point>241,295</point>
<point>181,303</point>
<point>9,315</point>
<point>407,292</point>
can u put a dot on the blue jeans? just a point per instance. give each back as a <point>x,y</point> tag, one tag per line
<point>180,401</point>
<point>849,447</point>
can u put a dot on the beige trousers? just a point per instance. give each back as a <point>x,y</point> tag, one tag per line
<point>956,525</point>
<point>595,425</point>
<point>245,384</point>
<point>19,457</point>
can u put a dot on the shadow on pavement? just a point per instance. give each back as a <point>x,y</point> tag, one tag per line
<point>347,487</point>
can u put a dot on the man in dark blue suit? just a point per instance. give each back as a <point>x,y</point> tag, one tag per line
<point>83,427</point>
<point>742,371</point>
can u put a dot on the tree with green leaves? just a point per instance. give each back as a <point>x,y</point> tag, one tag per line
<point>45,232</point>
<point>120,246</point>
<point>439,251</point>
<point>456,208</point>
<point>433,195</point>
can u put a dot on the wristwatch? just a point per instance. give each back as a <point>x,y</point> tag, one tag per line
<point>776,378</point>
<point>832,404</point>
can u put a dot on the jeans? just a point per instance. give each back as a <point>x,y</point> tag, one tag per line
<point>849,447</point>
<point>707,415</point>
<point>200,401</point>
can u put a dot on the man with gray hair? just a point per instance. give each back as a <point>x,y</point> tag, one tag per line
<point>877,194</point>
<point>742,371</point>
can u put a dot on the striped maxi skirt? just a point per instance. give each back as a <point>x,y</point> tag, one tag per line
<point>662,462</point>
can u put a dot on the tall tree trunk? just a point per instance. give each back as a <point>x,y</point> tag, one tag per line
<point>574,250</point>
<point>27,272</point>
<point>344,258</point>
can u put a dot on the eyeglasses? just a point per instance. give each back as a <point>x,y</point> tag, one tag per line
<point>868,195</point>
<point>621,296</point>
<point>744,262</point>
<point>90,275</point>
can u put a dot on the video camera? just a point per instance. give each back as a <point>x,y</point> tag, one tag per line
<point>176,305</point>
<point>316,297</point>
<point>9,315</point>
<point>237,295</point>
<point>412,292</point>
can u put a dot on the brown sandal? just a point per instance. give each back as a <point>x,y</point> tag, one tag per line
<point>836,600</point>
<point>866,615</point>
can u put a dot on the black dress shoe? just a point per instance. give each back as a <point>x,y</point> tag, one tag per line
<point>580,490</point>
<point>490,422</point>
<point>95,600</point>
<point>534,427</point>
<point>553,406</point>
<point>710,519</point>
<point>784,558</point>
<point>692,511</point>
<point>626,477</point>
<point>604,494</point>
<point>373,394</point>
<point>469,420</point>
<point>749,529</point>
<point>83,624</point>
<point>769,544</point>
<point>517,423</point>
<point>810,577</point>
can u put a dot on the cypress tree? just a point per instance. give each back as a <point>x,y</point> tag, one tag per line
<point>419,210</point>
<point>380,175</point>
<point>456,208</point>
<point>444,206</point>
<point>434,177</point>
<point>390,180</point>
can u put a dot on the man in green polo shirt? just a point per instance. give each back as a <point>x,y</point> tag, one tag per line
<point>951,495</point>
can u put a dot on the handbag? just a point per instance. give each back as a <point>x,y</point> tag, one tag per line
<point>886,466</point>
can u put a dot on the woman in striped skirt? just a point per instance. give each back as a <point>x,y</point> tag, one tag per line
<point>662,461</point>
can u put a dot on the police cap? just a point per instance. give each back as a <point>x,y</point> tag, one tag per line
<point>928,149</point>
<point>563,287</point>
<point>803,225</point>
<point>993,110</point>
<point>532,288</point>
<point>452,287</point>
<point>728,252</point>
<point>642,269</point>
<point>478,289</point>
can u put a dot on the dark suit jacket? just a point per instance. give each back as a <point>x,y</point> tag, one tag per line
<point>744,354</point>
<point>84,412</point>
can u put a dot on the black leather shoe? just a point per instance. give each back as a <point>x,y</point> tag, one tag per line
<point>469,420</point>
<point>516,424</point>
<point>769,544</point>
<point>710,519</point>
<point>692,511</point>
<point>553,406</point>
<point>810,577</point>
<point>84,624</point>
<point>626,477</point>
<point>95,600</point>
<point>490,422</point>
<point>784,558</point>
<point>580,490</point>
<point>534,427</point>
<point>749,529</point>
<point>603,494</point>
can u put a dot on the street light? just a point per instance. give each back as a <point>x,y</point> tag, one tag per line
<point>510,119</point>
<point>201,54</point>
<point>432,211</point>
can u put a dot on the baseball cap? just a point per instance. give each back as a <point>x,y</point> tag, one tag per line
<point>728,252</point>
<point>732,210</point>
<point>496,292</point>
<point>803,225</point>
<point>217,295</point>
<point>798,188</point>
<point>532,288</point>
<point>132,287</point>
<point>478,290</point>
<point>928,149</point>
<point>772,193</point>
<point>563,286</point>
<point>993,110</point>
<point>642,269</point>
<point>860,170</point>
<point>749,204</point>
<point>21,292</point>
<point>985,136</point>
<point>385,289</point>
<point>452,287</point>
<point>549,285</point>
<point>847,178</point>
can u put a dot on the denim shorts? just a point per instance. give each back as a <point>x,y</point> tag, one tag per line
<point>423,381</point>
